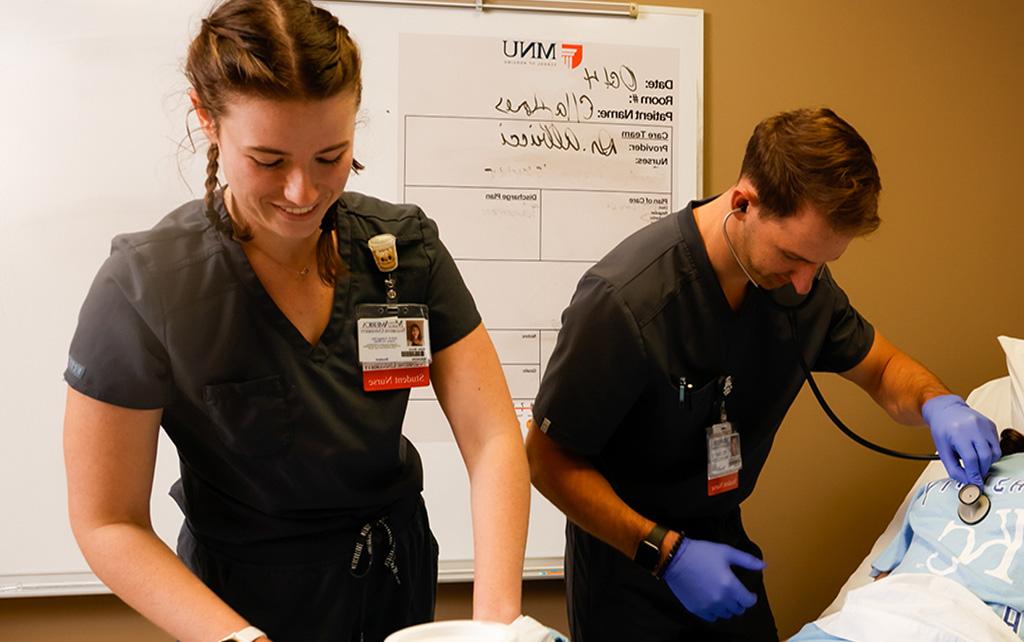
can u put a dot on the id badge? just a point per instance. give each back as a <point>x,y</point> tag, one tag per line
<point>724,460</point>
<point>394,345</point>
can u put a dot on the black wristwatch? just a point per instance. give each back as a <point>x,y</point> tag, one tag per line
<point>660,573</point>
<point>648,552</point>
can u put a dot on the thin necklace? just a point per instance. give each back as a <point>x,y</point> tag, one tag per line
<point>301,273</point>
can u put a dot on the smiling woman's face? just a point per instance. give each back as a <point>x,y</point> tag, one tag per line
<point>285,162</point>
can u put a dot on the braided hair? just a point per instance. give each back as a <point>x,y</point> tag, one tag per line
<point>278,50</point>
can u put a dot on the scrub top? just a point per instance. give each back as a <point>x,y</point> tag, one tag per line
<point>652,313</point>
<point>276,437</point>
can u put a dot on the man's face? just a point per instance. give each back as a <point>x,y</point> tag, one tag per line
<point>778,251</point>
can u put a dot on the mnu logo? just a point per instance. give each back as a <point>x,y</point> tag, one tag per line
<point>571,55</point>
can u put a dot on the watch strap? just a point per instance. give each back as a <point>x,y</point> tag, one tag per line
<point>660,573</point>
<point>648,551</point>
<point>248,634</point>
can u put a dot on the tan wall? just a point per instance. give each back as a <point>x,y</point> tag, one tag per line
<point>935,87</point>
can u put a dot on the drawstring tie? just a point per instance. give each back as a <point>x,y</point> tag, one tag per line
<point>365,541</point>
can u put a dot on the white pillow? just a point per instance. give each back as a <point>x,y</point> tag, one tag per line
<point>1014,349</point>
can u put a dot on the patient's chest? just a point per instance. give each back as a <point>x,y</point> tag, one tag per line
<point>987,558</point>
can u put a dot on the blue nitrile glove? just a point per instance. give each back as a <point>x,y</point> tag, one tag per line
<point>701,577</point>
<point>961,434</point>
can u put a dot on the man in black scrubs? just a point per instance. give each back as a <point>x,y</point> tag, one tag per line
<point>671,351</point>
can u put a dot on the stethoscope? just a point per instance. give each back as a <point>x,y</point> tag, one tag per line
<point>974,505</point>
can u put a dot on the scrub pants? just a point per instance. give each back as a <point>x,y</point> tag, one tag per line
<point>307,591</point>
<point>611,598</point>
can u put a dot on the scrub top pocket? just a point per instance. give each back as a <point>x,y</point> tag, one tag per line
<point>681,422</point>
<point>254,418</point>
<point>696,406</point>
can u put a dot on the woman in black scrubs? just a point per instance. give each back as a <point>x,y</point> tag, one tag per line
<point>233,323</point>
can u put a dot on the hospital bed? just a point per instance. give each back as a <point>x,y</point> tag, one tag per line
<point>1001,400</point>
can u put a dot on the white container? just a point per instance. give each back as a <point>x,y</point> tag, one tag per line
<point>455,631</point>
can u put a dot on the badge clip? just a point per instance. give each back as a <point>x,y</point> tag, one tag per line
<point>385,253</point>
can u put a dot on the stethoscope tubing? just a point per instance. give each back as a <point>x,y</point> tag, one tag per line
<point>835,418</point>
<point>790,310</point>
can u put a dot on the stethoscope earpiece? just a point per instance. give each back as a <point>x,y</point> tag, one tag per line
<point>974,505</point>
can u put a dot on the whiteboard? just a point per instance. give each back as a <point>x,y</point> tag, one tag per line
<point>94,145</point>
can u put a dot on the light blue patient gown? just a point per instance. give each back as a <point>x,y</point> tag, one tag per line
<point>987,558</point>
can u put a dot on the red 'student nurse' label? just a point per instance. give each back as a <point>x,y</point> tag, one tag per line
<point>723,484</point>
<point>396,378</point>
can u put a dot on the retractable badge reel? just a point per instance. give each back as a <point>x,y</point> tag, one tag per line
<point>724,459</point>
<point>394,338</point>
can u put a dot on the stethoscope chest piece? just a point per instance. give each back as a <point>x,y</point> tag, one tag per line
<point>974,505</point>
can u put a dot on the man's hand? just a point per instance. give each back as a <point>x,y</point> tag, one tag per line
<point>962,434</point>
<point>700,575</point>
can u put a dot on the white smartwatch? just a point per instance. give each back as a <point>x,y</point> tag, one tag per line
<point>248,634</point>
